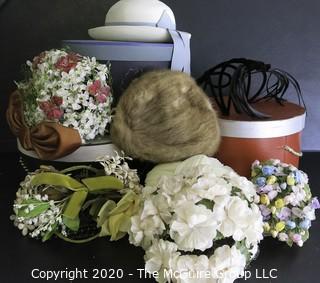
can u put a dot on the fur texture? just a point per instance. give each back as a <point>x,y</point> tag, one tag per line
<point>164,116</point>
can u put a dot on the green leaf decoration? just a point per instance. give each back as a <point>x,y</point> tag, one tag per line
<point>118,236</point>
<point>104,230</point>
<point>102,184</point>
<point>75,203</point>
<point>73,241</point>
<point>290,243</point>
<point>308,191</point>
<point>96,207</point>
<point>235,191</point>
<point>88,204</point>
<point>104,212</point>
<point>72,224</point>
<point>207,203</point>
<point>114,226</point>
<point>47,236</point>
<point>39,207</point>
<point>241,246</point>
<point>114,218</point>
<point>80,167</point>
<point>56,179</point>
<point>219,236</point>
<point>305,237</point>
<point>128,203</point>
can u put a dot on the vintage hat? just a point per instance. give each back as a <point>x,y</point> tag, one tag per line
<point>145,21</point>
<point>256,121</point>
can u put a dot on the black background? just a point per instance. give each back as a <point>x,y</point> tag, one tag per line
<point>284,33</point>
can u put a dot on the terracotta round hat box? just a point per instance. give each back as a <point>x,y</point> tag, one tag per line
<point>246,139</point>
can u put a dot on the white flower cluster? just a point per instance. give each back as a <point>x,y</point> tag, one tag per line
<point>188,207</point>
<point>118,167</point>
<point>69,89</point>
<point>225,265</point>
<point>36,215</point>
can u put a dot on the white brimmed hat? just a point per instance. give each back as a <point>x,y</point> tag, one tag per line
<point>145,21</point>
<point>136,20</point>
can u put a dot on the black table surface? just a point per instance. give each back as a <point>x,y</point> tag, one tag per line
<point>20,256</point>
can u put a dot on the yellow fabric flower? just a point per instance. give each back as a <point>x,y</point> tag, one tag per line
<point>280,226</point>
<point>271,180</point>
<point>264,199</point>
<point>266,227</point>
<point>279,203</point>
<point>291,181</point>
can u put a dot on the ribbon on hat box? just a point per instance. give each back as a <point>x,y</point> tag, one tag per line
<point>181,41</point>
<point>50,140</point>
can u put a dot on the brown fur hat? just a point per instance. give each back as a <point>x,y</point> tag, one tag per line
<point>164,116</point>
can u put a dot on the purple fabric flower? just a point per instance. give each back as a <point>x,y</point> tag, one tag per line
<point>315,203</point>
<point>268,170</point>
<point>265,211</point>
<point>284,214</point>
<point>266,189</point>
<point>272,195</point>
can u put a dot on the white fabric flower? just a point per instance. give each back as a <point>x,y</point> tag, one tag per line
<point>242,183</point>
<point>241,221</point>
<point>227,264</point>
<point>170,185</point>
<point>161,257</point>
<point>193,269</point>
<point>201,165</point>
<point>209,187</point>
<point>142,232</point>
<point>188,203</point>
<point>177,190</point>
<point>193,227</point>
<point>150,221</point>
<point>309,213</point>
<point>156,206</point>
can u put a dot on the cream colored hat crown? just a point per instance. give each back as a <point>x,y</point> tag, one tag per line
<point>136,20</point>
<point>146,21</point>
<point>139,11</point>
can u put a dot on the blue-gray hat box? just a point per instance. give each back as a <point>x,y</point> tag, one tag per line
<point>128,59</point>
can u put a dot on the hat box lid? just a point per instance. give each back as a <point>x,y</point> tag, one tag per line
<point>286,119</point>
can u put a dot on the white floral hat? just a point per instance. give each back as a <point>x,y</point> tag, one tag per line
<point>145,21</point>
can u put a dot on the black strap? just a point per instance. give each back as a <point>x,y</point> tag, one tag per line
<point>234,79</point>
